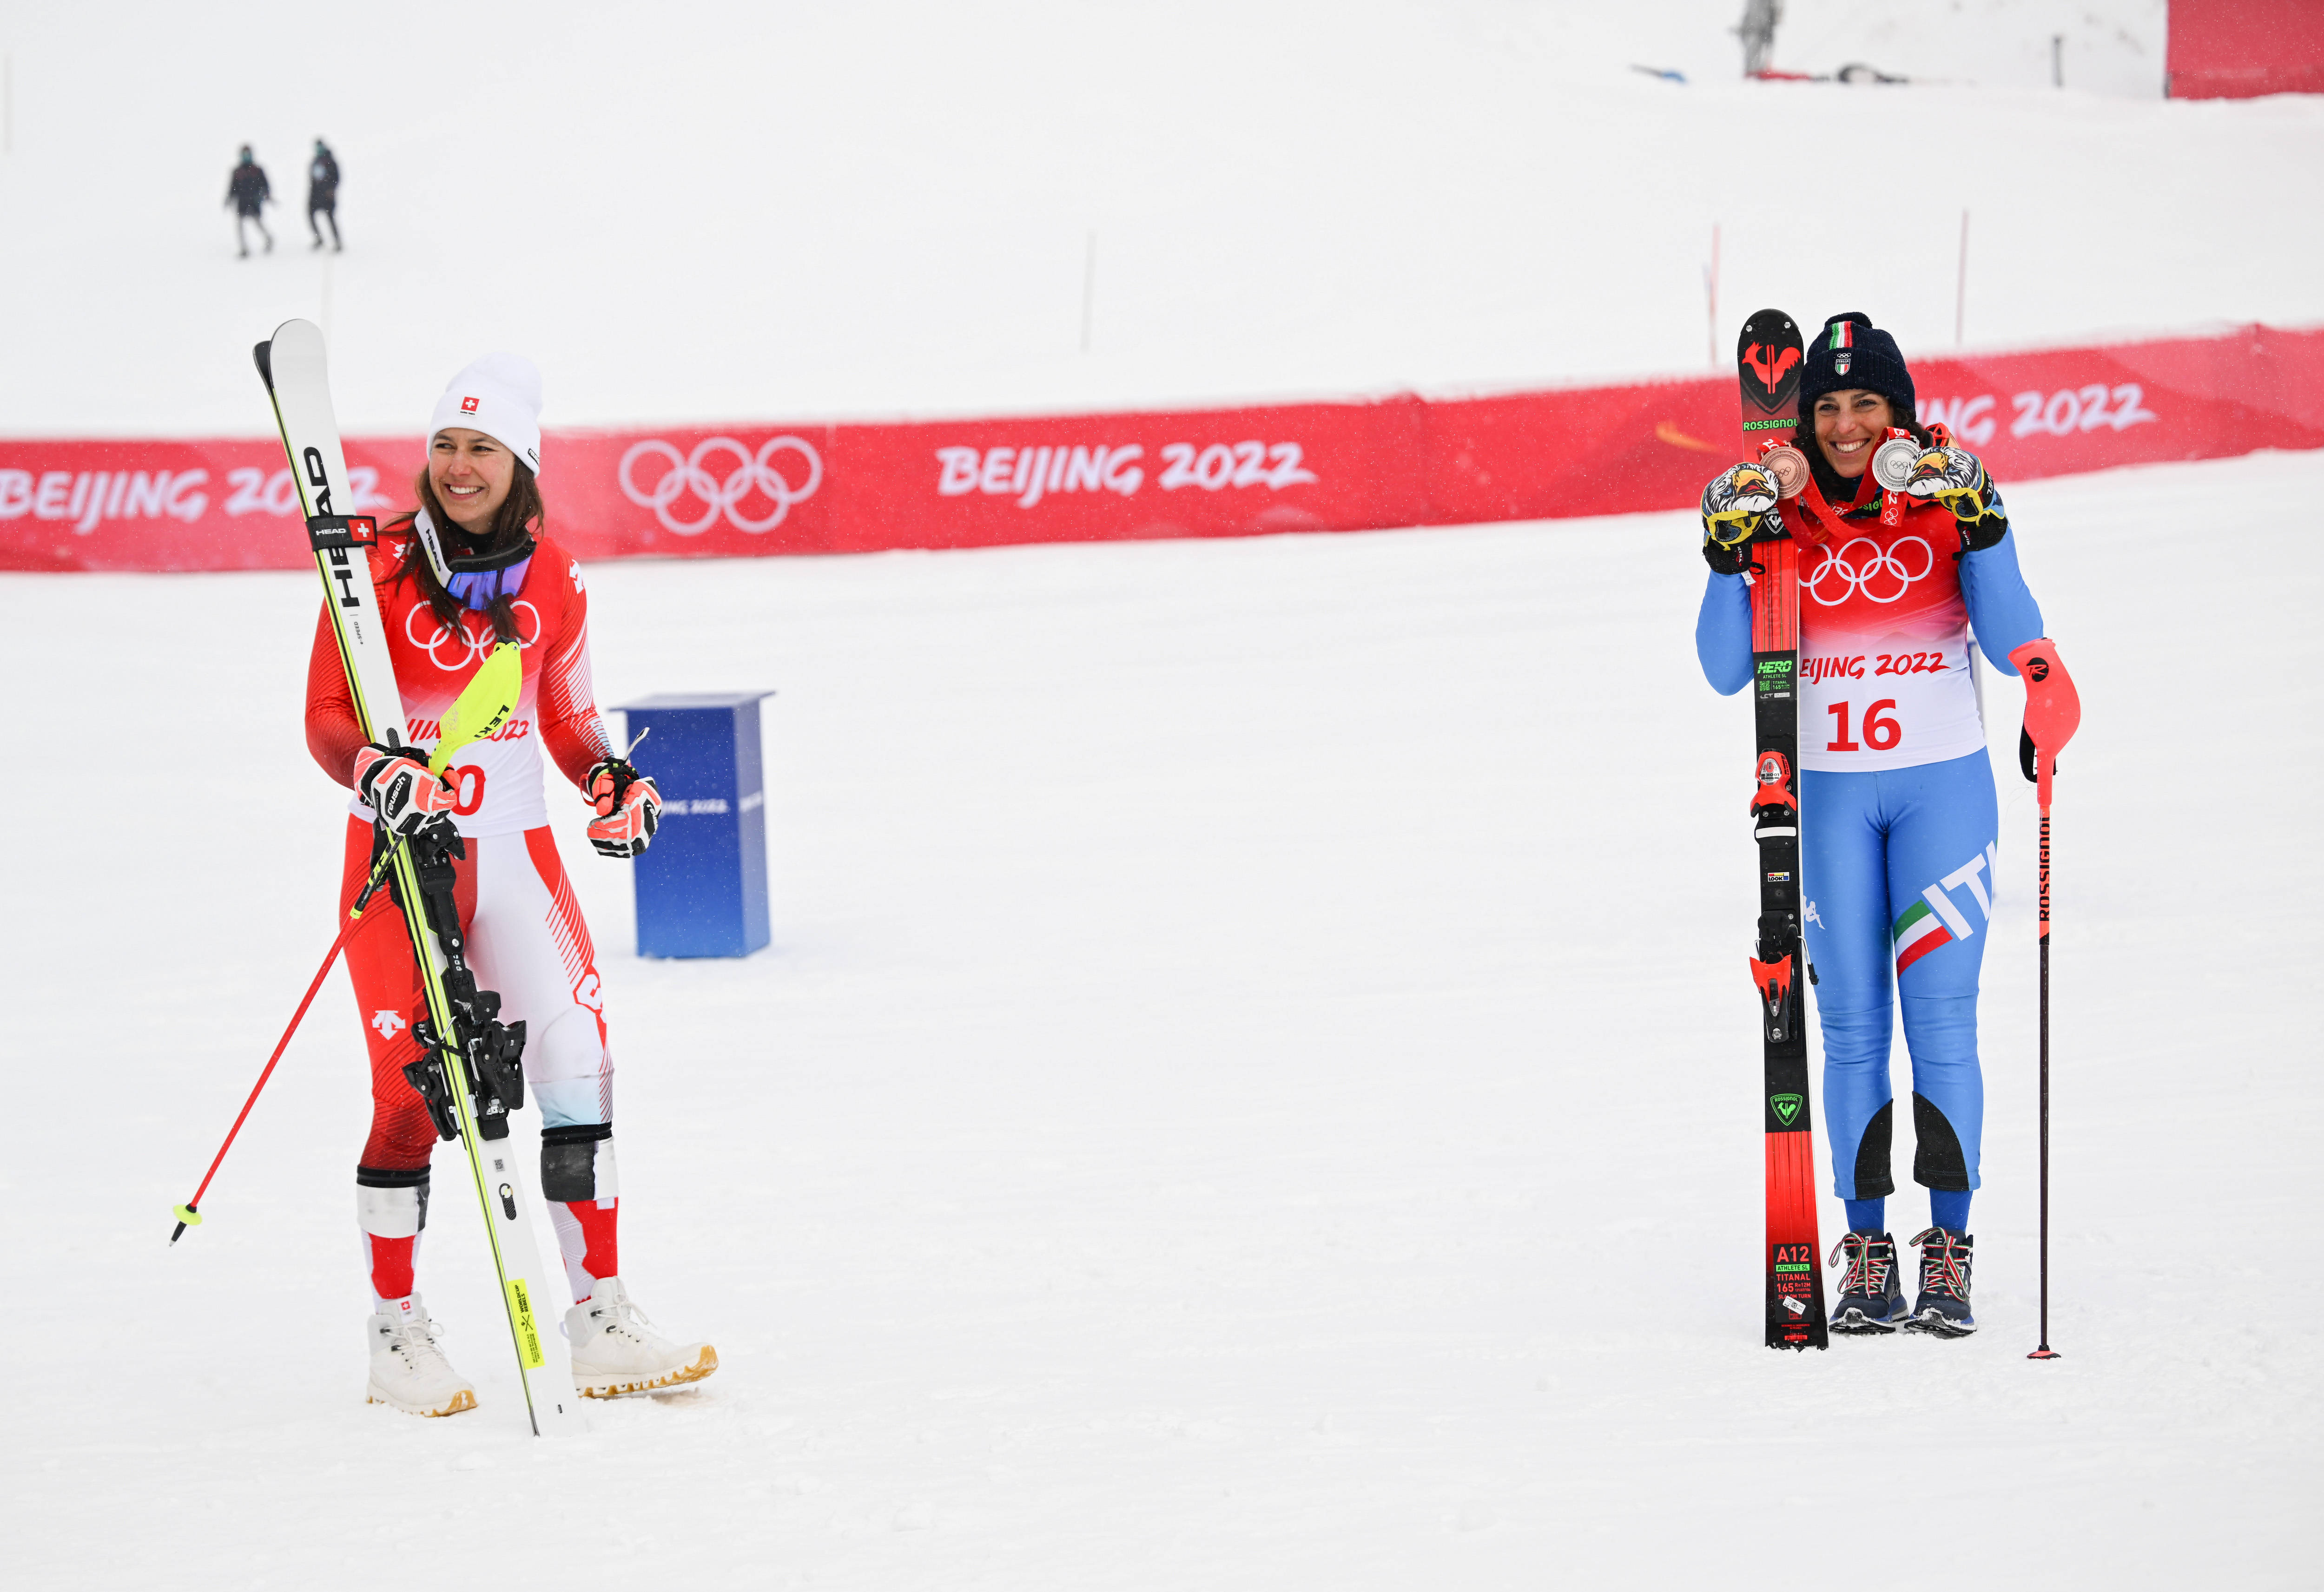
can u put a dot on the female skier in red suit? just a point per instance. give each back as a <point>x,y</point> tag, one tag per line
<point>468,569</point>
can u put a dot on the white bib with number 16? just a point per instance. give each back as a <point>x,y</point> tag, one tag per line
<point>1884,666</point>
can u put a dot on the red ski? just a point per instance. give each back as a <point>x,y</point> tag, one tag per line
<point>1767,363</point>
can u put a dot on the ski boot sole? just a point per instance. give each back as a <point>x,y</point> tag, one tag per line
<point>465,1399</point>
<point>617,1387</point>
<point>1937,1324</point>
<point>1853,1322</point>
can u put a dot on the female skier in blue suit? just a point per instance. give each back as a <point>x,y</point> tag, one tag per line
<point>1898,817</point>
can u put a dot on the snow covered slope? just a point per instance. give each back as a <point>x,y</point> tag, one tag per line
<point>792,211</point>
<point>1230,1103</point>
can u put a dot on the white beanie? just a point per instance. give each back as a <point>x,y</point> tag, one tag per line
<point>500,395</point>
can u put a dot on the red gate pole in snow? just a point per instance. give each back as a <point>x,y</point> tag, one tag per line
<point>1960,284</point>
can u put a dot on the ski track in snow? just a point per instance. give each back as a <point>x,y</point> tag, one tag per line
<point>1254,1086</point>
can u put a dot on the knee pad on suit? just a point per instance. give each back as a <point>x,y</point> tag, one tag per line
<point>391,1203</point>
<point>577,1163</point>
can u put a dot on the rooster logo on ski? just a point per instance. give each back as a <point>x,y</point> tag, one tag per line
<point>1771,366</point>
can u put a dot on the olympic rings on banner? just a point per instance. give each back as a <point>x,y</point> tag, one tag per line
<point>473,639</point>
<point>1882,566</point>
<point>685,475</point>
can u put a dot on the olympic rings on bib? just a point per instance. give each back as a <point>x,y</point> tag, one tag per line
<point>467,645</point>
<point>1872,577</point>
<point>684,476</point>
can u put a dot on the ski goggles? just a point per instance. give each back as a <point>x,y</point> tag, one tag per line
<point>479,580</point>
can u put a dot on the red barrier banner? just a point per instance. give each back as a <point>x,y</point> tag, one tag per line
<point>2241,48</point>
<point>751,490</point>
<point>2051,412</point>
<point>722,493</point>
<point>211,504</point>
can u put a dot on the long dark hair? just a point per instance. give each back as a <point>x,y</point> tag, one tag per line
<point>520,513</point>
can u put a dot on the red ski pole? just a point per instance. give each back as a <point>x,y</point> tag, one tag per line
<point>190,1213</point>
<point>2052,712</point>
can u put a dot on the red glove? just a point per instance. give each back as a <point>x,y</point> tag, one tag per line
<point>2054,710</point>
<point>629,808</point>
<point>400,789</point>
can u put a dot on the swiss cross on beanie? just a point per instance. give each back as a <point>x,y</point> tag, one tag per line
<point>1850,352</point>
<point>500,395</point>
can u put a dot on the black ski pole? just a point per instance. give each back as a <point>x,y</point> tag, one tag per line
<point>2044,1352</point>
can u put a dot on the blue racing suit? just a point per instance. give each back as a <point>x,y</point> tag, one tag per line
<point>1898,817</point>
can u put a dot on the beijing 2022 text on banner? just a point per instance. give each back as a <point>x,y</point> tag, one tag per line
<point>744,490</point>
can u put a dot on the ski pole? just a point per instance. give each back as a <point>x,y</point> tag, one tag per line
<point>484,704</point>
<point>2043,1351</point>
<point>190,1213</point>
<point>2052,712</point>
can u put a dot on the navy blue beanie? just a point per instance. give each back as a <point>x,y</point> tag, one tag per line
<point>1851,351</point>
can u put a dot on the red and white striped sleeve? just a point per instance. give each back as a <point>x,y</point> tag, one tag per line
<point>569,722</point>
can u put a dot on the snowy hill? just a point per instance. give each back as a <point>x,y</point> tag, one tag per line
<point>1229,1105</point>
<point>788,211</point>
<point>1254,1085</point>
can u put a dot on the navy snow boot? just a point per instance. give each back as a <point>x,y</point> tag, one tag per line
<point>1943,1308</point>
<point>1871,1301</point>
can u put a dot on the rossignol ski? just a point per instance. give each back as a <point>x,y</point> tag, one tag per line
<point>470,1072</point>
<point>1768,356</point>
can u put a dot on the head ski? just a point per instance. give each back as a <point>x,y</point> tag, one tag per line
<point>1767,368</point>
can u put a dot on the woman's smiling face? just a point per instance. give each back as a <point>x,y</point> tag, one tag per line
<point>1849,425</point>
<point>471,473</point>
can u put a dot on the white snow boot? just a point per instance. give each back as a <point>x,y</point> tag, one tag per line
<point>615,1354</point>
<point>408,1370</point>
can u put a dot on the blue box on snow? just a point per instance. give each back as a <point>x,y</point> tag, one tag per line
<point>702,884</point>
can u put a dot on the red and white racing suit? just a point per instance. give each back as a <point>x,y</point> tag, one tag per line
<point>526,937</point>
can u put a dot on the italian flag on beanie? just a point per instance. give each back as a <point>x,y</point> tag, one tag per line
<point>1853,352</point>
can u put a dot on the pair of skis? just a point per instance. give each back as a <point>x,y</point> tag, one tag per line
<point>470,1072</point>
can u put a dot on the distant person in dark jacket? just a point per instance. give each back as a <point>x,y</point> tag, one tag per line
<point>246,191</point>
<point>323,193</point>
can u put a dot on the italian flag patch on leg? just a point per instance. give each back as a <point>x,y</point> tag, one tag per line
<point>1916,934</point>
